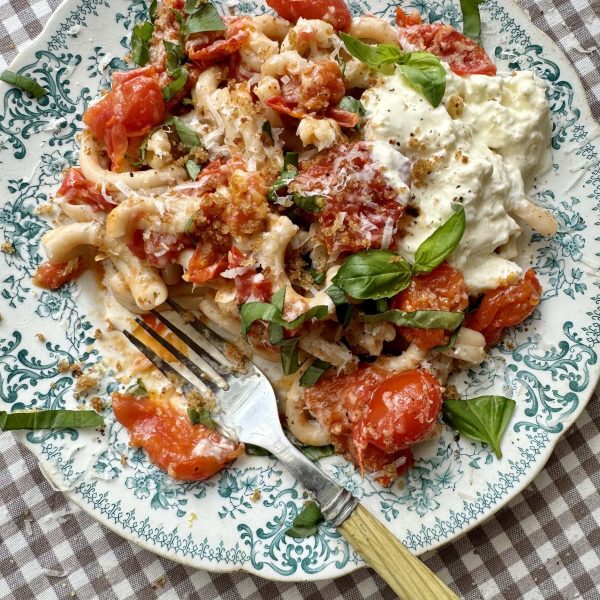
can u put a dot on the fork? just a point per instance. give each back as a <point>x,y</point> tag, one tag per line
<point>246,411</point>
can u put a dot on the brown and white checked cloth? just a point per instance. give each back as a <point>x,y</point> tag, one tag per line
<point>544,545</point>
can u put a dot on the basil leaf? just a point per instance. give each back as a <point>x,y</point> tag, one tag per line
<point>309,203</point>
<point>191,6</point>
<point>289,355</point>
<point>471,18</point>
<point>262,311</point>
<point>50,419</point>
<point>193,168</point>
<point>24,82</point>
<point>441,243</point>
<point>305,524</point>
<point>287,175</point>
<point>252,450</point>
<point>140,36</point>
<point>171,90</point>
<point>206,18</point>
<point>187,136</point>
<point>484,418</point>
<point>174,56</point>
<point>350,104</point>
<point>421,319</point>
<point>376,57</point>
<point>276,334</point>
<point>313,373</point>
<point>337,295</point>
<point>181,24</point>
<point>450,343</point>
<point>314,453</point>
<point>425,73</point>
<point>343,310</point>
<point>201,417</point>
<point>373,274</point>
<point>318,278</point>
<point>138,389</point>
<point>152,9</point>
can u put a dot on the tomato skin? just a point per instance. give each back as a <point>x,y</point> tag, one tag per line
<point>207,263</point>
<point>442,289</point>
<point>170,439</point>
<point>334,12</point>
<point>463,54</point>
<point>132,107</point>
<point>158,249</point>
<point>51,275</point>
<point>505,307</point>
<point>219,49</point>
<point>78,190</point>
<point>406,19</point>
<point>402,411</point>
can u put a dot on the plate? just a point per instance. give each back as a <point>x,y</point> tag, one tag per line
<point>549,365</point>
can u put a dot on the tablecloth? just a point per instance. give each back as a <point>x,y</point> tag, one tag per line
<point>544,545</point>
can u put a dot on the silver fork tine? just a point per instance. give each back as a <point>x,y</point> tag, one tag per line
<point>204,375</point>
<point>215,359</point>
<point>163,366</point>
<point>210,336</point>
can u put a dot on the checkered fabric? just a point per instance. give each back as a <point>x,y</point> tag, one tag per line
<point>544,545</point>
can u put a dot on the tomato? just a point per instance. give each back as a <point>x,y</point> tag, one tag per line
<point>506,306</point>
<point>404,20</point>
<point>334,12</point>
<point>355,187</point>
<point>463,54</point>
<point>159,249</point>
<point>279,104</point>
<point>185,451</point>
<point>251,286</point>
<point>131,109</point>
<point>78,190</point>
<point>441,289</point>
<point>344,117</point>
<point>207,263</point>
<point>220,49</point>
<point>402,411</point>
<point>51,275</point>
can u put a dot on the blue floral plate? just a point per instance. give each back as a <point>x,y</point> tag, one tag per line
<point>549,365</point>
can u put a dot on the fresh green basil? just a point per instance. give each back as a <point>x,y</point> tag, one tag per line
<point>287,175</point>
<point>315,453</point>
<point>187,136</point>
<point>50,419</point>
<point>343,310</point>
<point>173,88</point>
<point>138,389</point>
<point>305,524</point>
<point>373,274</point>
<point>276,331</point>
<point>140,36</point>
<point>441,243</point>
<point>262,311</point>
<point>471,18</point>
<point>206,18</point>
<point>421,319</point>
<point>309,203</point>
<point>181,24</point>
<point>423,70</point>
<point>289,355</point>
<point>191,6</point>
<point>318,277</point>
<point>174,57</point>
<point>350,104</point>
<point>313,373</point>
<point>337,295</point>
<point>152,10</point>
<point>484,418</point>
<point>24,82</point>
<point>193,168</point>
<point>201,417</point>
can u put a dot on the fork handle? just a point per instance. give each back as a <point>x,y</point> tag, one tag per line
<point>401,569</point>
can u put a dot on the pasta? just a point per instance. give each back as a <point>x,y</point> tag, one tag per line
<point>277,164</point>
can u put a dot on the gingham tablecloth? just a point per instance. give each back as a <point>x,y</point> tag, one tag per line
<point>544,545</point>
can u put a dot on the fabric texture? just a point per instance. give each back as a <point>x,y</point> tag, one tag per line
<point>544,545</point>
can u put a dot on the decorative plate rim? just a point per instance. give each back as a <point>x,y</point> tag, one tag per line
<point>574,79</point>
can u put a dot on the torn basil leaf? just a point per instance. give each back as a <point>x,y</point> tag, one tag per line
<point>343,310</point>
<point>206,18</point>
<point>201,416</point>
<point>276,333</point>
<point>315,453</point>
<point>373,274</point>
<point>140,36</point>
<point>261,311</point>
<point>193,169</point>
<point>309,203</point>
<point>471,18</point>
<point>317,277</point>
<point>350,104</point>
<point>152,9</point>
<point>174,56</point>
<point>484,418</point>
<point>172,89</point>
<point>421,319</point>
<point>377,57</point>
<point>187,136</point>
<point>287,175</point>
<point>305,524</point>
<point>314,372</point>
<point>289,355</point>
<point>441,243</point>
<point>50,419</point>
<point>24,82</point>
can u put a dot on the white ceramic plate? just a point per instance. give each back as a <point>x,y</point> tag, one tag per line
<point>549,365</point>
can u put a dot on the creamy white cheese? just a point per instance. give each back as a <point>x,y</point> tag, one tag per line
<point>395,168</point>
<point>498,134</point>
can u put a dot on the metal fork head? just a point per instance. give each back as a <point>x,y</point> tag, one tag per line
<point>240,398</point>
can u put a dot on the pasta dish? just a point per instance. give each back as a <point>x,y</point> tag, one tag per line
<point>344,199</point>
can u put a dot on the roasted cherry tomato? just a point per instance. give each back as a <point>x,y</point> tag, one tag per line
<point>442,289</point>
<point>207,263</point>
<point>52,275</point>
<point>79,190</point>
<point>505,307</point>
<point>464,55</point>
<point>159,249</point>
<point>131,109</point>
<point>184,451</point>
<point>402,411</point>
<point>405,20</point>
<point>219,49</point>
<point>334,12</point>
